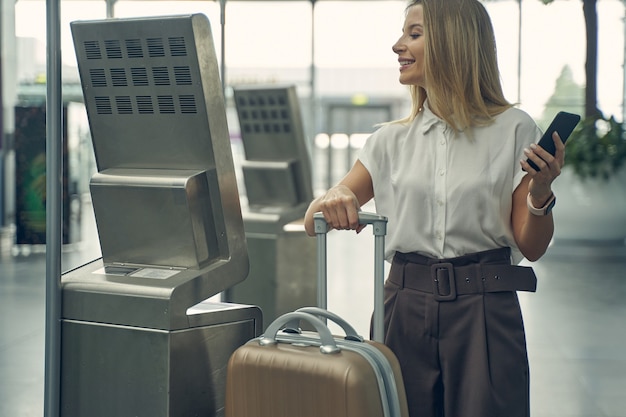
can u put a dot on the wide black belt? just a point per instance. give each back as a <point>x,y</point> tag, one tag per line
<point>480,272</point>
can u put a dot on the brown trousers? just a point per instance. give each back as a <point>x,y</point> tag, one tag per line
<point>456,327</point>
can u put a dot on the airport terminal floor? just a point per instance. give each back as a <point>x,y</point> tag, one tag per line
<point>575,325</point>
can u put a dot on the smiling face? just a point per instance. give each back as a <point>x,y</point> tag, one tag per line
<point>410,48</point>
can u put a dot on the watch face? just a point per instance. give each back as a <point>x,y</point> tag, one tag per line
<point>551,205</point>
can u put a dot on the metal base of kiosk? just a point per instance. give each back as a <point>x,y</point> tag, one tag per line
<point>124,371</point>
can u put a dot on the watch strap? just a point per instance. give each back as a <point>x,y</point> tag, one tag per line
<point>542,211</point>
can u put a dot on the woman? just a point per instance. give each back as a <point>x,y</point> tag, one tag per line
<point>464,207</point>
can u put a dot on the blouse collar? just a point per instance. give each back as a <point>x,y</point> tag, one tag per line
<point>429,119</point>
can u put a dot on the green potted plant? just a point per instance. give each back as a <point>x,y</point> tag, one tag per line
<point>597,148</point>
<point>591,190</point>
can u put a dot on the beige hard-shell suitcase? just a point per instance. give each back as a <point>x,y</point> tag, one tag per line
<point>288,372</point>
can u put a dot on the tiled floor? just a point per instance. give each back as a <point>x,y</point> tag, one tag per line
<point>576,322</point>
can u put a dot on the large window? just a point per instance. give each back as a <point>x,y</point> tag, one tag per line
<point>272,42</point>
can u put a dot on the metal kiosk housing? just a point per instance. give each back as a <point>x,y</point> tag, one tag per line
<point>139,335</point>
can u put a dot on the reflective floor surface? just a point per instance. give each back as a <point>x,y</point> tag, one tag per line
<point>576,322</point>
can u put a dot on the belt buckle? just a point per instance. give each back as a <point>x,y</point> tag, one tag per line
<point>439,272</point>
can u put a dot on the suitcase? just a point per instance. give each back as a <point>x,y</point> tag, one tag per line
<point>287,372</point>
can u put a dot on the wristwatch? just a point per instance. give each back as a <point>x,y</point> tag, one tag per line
<point>543,211</point>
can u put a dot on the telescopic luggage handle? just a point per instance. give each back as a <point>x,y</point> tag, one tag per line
<point>379,226</point>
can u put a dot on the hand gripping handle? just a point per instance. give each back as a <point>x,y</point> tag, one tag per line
<point>379,226</point>
<point>379,222</point>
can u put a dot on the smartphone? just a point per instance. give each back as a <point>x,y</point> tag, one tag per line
<point>564,124</point>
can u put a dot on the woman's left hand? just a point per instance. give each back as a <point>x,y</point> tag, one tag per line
<point>540,186</point>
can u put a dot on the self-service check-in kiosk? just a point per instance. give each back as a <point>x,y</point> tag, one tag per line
<point>140,336</point>
<point>279,187</point>
<point>277,165</point>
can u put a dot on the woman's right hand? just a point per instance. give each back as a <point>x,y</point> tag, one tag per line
<point>340,207</point>
<point>341,204</point>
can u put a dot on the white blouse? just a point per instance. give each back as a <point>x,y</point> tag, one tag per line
<point>448,194</point>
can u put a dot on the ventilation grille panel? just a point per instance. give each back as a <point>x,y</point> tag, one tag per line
<point>264,113</point>
<point>152,66</point>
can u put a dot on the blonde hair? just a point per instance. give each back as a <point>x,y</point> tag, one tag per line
<point>460,64</point>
